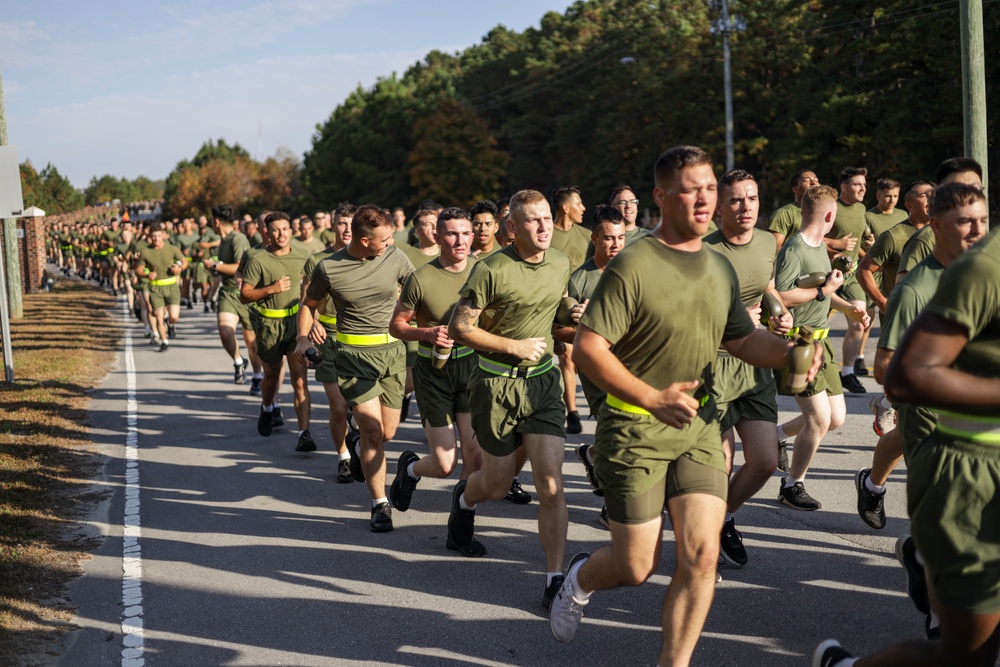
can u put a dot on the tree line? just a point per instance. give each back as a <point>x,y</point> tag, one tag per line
<point>54,193</point>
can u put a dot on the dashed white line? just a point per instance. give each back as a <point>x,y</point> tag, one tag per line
<point>133,636</point>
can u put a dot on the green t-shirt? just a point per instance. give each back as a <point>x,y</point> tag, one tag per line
<point>518,299</point>
<point>888,250</point>
<point>400,239</point>
<point>572,243</point>
<point>185,242</point>
<point>432,290</point>
<point>326,306</point>
<point>666,311</point>
<point>795,259</point>
<point>496,248</point>
<point>850,221</point>
<point>264,268</point>
<point>109,238</point>
<point>209,236</point>
<point>122,249</point>
<point>159,260</point>
<point>257,240</point>
<point>231,251</point>
<point>631,235</point>
<point>879,223</point>
<point>363,291</point>
<point>312,246</point>
<point>919,246</point>
<point>418,258</point>
<point>969,295</point>
<point>583,281</point>
<point>787,220</point>
<point>753,262</point>
<point>328,237</point>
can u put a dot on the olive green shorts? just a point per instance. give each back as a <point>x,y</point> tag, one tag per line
<point>502,407</point>
<point>641,462</point>
<point>201,274</point>
<point>952,488</point>
<point>164,295</point>
<point>596,397</point>
<point>275,338</point>
<point>379,371</point>
<point>229,302</point>
<point>411,353</point>
<point>915,423</point>
<point>442,393</point>
<point>828,378</point>
<point>326,371</point>
<point>743,392</point>
<point>851,289</point>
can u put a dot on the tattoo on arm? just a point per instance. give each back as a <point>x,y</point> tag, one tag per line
<point>465,317</point>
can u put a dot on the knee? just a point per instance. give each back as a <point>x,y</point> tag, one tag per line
<point>837,420</point>
<point>549,489</point>
<point>635,571</point>
<point>763,465</point>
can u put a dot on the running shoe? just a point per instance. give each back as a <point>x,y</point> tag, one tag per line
<point>871,506</point>
<point>240,371</point>
<point>885,418</point>
<point>552,590</point>
<point>732,544</point>
<point>566,611</point>
<point>860,369</point>
<point>795,496</point>
<point>276,418</point>
<point>403,486</point>
<point>830,654</point>
<point>354,446</point>
<point>573,424</point>
<point>265,422</point>
<point>255,386</point>
<point>462,527</point>
<point>916,579</point>
<point>783,456</point>
<point>344,472</point>
<point>581,453</point>
<point>852,384</point>
<point>381,521</point>
<point>306,442</point>
<point>517,495</point>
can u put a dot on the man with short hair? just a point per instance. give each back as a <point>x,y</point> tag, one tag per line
<point>160,264</point>
<point>306,239</point>
<point>746,397</point>
<point>272,282</point>
<point>428,297</point>
<point>658,442</point>
<point>822,403</point>
<point>401,231</point>
<point>423,251</point>
<point>207,246</point>
<point>363,281</point>
<point>845,238</point>
<point>505,313</point>
<point>484,229</point>
<point>885,214</point>
<point>788,219</point>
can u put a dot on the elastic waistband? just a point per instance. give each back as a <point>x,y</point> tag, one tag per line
<point>503,370</point>
<point>619,404</point>
<point>172,280</point>
<point>364,340</point>
<point>980,430</point>
<point>457,352</point>
<point>817,334</point>
<point>278,314</point>
<point>330,320</point>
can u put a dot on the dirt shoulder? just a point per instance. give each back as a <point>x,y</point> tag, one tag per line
<point>63,347</point>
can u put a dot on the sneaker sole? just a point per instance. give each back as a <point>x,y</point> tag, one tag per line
<point>307,447</point>
<point>796,507</point>
<point>474,550</point>
<point>380,529</point>
<point>817,659</point>
<point>397,483</point>
<point>265,429</point>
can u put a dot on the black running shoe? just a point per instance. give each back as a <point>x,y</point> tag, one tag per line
<point>404,412</point>
<point>581,453</point>
<point>171,332</point>
<point>731,544</point>
<point>552,590</point>
<point>783,456</point>
<point>265,422</point>
<point>852,384</point>
<point>381,521</point>
<point>353,446</point>
<point>860,369</point>
<point>164,346</point>
<point>276,418</point>
<point>206,307</point>
<point>403,486</point>
<point>240,372</point>
<point>829,654</point>
<point>255,386</point>
<point>795,496</point>
<point>344,472</point>
<point>916,580</point>
<point>603,518</point>
<point>517,495</point>
<point>462,527</point>
<point>306,442</point>
<point>190,305</point>
<point>871,506</point>
<point>573,424</point>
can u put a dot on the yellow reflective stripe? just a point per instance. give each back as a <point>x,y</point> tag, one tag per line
<point>278,314</point>
<point>364,340</point>
<point>619,404</point>
<point>172,280</point>
<point>980,430</point>
<point>818,334</point>
<point>328,319</point>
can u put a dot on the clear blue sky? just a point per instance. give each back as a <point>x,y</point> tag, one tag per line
<point>131,88</point>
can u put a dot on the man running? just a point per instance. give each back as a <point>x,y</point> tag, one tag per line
<point>787,220</point>
<point>484,229</point>
<point>160,264</point>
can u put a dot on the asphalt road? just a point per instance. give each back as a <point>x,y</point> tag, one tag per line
<point>251,554</point>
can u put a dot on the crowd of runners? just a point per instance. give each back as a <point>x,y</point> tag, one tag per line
<point>682,338</point>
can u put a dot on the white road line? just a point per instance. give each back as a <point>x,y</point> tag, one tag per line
<point>133,637</point>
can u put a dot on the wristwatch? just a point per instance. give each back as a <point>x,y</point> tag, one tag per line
<point>820,296</point>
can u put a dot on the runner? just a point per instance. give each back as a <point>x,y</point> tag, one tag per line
<point>787,220</point>
<point>746,397</point>
<point>160,264</point>
<point>506,314</point>
<point>885,214</point>
<point>306,238</point>
<point>624,200</point>
<point>657,442</point>
<point>822,403</point>
<point>400,230</point>
<point>363,281</point>
<point>484,229</point>
<point>422,251</point>
<point>272,282</point>
<point>950,360</point>
<point>207,246</point>
<point>429,296</point>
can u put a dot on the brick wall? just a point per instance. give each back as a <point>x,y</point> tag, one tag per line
<point>32,253</point>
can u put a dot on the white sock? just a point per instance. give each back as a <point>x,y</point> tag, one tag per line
<point>300,432</point>
<point>578,592</point>
<point>268,408</point>
<point>885,403</point>
<point>782,436</point>
<point>345,455</point>
<point>238,362</point>
<point>874,488</point>
<point>409,470</point>
<point>549,576</point>
<point>379,501</point>
<point>729,517</point>
<point>790,481</point>
<point>858,358</point>
<point>848,373</point>
<point>463,504</point>
<point>258,376</point>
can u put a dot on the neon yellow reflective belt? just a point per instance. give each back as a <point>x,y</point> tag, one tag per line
<point>817,334</point>
<point>278,314</point>
<point>619,404</point>
<point>457,352</point>
<point>330,320</point>
<point>364,340</point>
<point>172,280</point>
<point>503,370</point>
<point>980,430</point>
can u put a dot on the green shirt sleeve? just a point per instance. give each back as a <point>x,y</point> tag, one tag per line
<point>411,295</point>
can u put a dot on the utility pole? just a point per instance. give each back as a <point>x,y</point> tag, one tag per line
<point>724,25</point>
<point>11,260</point>
<point>970,15</point>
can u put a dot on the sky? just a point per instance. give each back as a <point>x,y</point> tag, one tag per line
<point>131,88</point>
